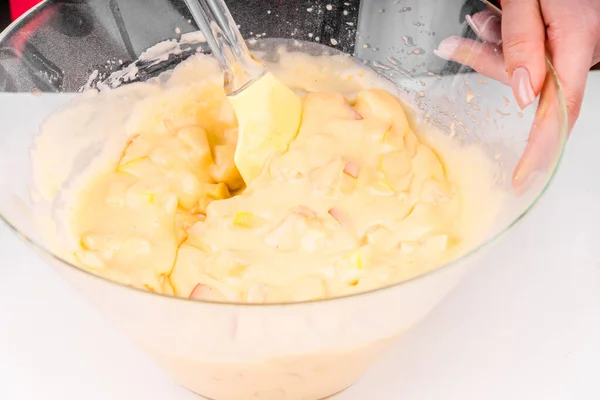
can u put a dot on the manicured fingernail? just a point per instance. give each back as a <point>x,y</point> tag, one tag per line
<point>447,47</point>
<point>473,25</point>
<point>486,26</point>
<point>522,87</point>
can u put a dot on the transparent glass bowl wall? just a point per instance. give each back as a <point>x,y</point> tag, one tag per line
<point>304,351</point>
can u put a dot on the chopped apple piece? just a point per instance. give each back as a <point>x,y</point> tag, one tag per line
<point>139,167</point>
<point>355,260</point>
<point>135,197</point>
<point>205,292</point>
<point>196,140</point>
<point>286,235</point>
<point>244,219</point>
<point>89,259</point>
<point>217,191</point>
<point>409,247</point>
<point>436,243</point>
<point>347,269</point>
<point>339,216</point>
<point>305,211</point>
<point>188,188</point>
<point>352,169</point>
<point>257,293</point>
<point>224,169</point>
<point>89,242</point>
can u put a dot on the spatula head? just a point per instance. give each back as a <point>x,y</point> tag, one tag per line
<point>269,116</point>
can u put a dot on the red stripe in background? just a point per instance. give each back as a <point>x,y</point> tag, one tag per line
<point>19,7</point>
<point>21,36</point>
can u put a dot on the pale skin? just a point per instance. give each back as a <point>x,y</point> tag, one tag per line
<point>512,49</point>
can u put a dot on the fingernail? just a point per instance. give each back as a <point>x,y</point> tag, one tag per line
<point>486,26</point>
<point>473,25</point>
<point>447,47</point>
<point>522,88</point>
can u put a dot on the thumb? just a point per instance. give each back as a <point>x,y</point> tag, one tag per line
<point>523,38</point>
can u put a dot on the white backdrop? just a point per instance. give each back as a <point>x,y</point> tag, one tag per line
<point>526,326</point>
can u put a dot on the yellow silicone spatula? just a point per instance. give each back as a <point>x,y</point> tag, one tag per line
<point>268,112</point>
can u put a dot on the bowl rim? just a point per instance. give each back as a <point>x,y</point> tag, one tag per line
<point>13,25</point>
<point>562,111</point>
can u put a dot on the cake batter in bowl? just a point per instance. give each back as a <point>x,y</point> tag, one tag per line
<point>306,335</point>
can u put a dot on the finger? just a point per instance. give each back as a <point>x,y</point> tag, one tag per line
<point>487,26</point>
<point>571,40</point>
<point>545,140</point>
<point>484,58</point>
<point>523,38</point>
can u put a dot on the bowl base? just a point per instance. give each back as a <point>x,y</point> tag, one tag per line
<point>329,397</point>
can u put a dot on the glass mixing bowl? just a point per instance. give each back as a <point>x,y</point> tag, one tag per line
<point>304,350</point>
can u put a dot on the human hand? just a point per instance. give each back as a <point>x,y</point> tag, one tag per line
<point>513,51</point>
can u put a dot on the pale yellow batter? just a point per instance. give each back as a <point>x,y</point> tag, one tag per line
<point>357,202</point>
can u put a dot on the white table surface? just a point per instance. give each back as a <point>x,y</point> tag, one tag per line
<point>526,326</point>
